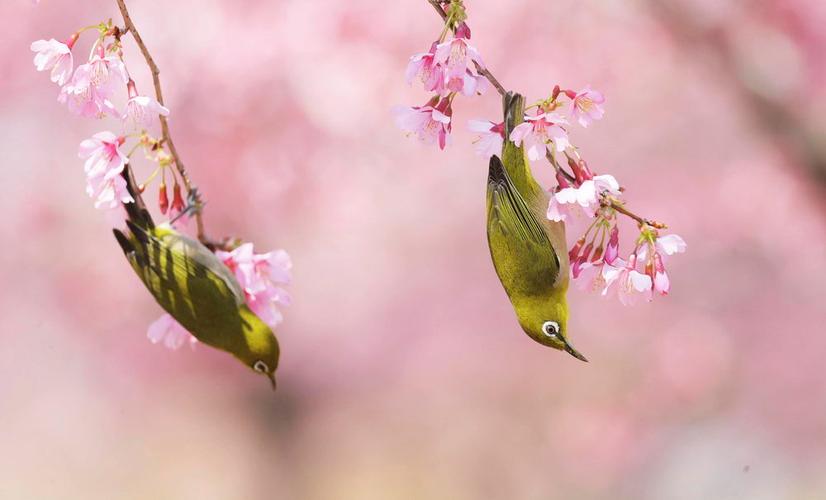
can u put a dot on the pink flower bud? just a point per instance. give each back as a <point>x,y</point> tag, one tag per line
<point>576,267</point>
<point>562,180</point>
<point>163,199</point>
<point>612,250</point>
<point>585,170</point>
<point>660,277</point>
<point>130,88</point>
<point>574,252</point>
<point>72,39</point>
<point>555,93</point>
<point>463,31</point>
<point>177,199</point>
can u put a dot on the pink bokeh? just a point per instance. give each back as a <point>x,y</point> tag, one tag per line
<point>404,373</point>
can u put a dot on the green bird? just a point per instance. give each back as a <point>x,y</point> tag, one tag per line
<point>190,283</point>
<point>529,252</point>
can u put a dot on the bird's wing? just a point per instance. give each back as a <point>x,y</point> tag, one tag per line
<point>171,262</point>
<point>510,214</point>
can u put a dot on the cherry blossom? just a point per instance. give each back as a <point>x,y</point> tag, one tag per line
<point>425,67</point>
<point>459,59</point>
<point>659,277</point>
<point>261,277</point>
<point>632,283</point>
<point>430,124</point>
<point>85,99</point>
<point>585,198</point>
<point>54,56</point>
<point>598,274</point>
<point>670,244</point>
<point>652,253</point>
<point>104,165</point>
<point>586,105</point>
<point>491,137</point>
<point>537,131</point>
<point>105,71</point>
<point>165,329</point>
<point>141,111</point>
<point>89,91</point>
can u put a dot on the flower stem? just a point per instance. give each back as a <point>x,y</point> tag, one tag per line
<point>618,206</point>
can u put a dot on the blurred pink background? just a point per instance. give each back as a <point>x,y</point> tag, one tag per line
<point>404,374</point>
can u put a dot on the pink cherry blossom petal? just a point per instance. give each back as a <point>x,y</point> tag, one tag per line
<point>104,165</point>
<point>425,122</point>
<point>259,276</point>
<point>670,244</point>
<point>142,113</point>
<point>587,106</point>
<point>165,329</point>
<point>54,56</point>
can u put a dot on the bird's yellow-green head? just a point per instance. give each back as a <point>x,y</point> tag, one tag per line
<point>257,348</point>
<point>545,320</point>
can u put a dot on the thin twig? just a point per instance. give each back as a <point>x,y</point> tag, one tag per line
<point>557,166</point>
<point>609,201</point>
<point>166,136</point>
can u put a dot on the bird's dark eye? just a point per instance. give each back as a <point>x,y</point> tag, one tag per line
<point>261,367</point>
<point>550,328</point>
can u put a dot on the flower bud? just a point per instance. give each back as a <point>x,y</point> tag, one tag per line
<point>562,180</point>
<point>576,266</point>
<point>612,250</point>
<point>574,252</point>
<point>177,199</point>
<point>462,31</point>
<point>72,39</point>
<point>163,199</point>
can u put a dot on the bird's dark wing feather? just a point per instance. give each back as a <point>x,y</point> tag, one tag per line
<point>177,261</point>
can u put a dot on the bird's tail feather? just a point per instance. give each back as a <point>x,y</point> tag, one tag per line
<point>514,108</point>
<point>136,211</point>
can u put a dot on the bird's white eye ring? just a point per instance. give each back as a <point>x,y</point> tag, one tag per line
<point>550,328</point>
<point>261,367</point>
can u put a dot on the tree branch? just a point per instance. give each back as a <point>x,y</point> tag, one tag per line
<point>166,137</point>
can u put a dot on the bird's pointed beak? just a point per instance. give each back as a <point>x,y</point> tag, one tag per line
<point>271,376</point>
<point>573,352</point>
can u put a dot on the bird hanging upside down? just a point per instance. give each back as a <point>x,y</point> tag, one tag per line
<point>529,252</point>
<point>191,284</point>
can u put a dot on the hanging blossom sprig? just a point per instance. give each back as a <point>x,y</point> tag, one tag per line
<point>87,91</point>
<point>452,67</point>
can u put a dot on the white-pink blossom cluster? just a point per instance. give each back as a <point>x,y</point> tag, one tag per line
<point>87,90</point>
<point>262,277</point>
<point>641,275</point>
<point>104,165</point>
<point>449,68</point>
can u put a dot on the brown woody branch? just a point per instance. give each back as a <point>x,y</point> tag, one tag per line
<point>166,137</point>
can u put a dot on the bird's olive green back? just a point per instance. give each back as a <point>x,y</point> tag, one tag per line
<point>513,157</point>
